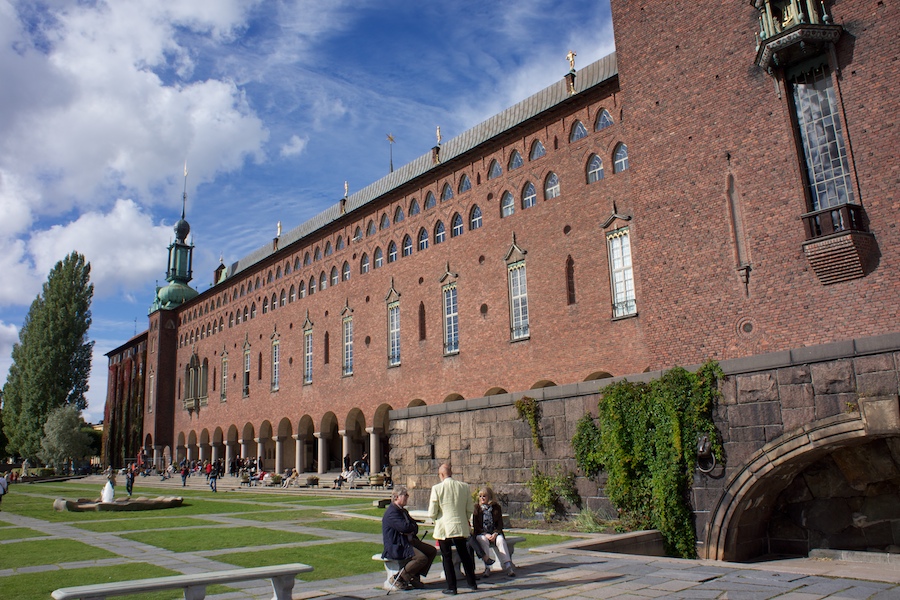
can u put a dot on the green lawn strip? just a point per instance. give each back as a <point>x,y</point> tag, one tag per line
<point>38,586</point>
<point>15,555</point>
<point>354,525</point>
<point>533,540</point>
<point>140,524</point>
<point>342,501</point>
<point>195,540</point>
<point>329,561</point>
<point>284,515</point>
<point>19,533</point>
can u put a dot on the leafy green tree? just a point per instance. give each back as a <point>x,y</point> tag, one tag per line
<point>52,361</point>
<point>63,438</point>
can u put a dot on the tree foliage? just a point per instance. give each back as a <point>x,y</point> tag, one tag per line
<point>64,438</point>
<point>52,361</point>
<point>647,446</point>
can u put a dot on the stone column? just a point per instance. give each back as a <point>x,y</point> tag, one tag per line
<point>323,453</point>
<point>158,458</point>
<point>374,449</point>
<point>300,453</point>
<point>279,453</point>
<point>345,447</point>
<point>245,447</point>
<point>216,452</point>
<point>260,453</point>
<point>229,454</point>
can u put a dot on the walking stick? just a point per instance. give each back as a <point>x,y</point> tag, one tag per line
<point>394,580</point>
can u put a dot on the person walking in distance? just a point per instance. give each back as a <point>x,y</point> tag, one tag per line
<point>450,507</point>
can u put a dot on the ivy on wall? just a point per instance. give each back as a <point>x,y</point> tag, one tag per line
<point>530,411</point>
<point>646,442</point>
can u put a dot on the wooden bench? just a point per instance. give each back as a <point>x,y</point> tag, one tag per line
<point>194,586</point>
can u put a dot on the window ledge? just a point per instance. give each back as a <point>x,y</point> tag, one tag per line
<point>624,317</point>
<point>842,256</point>
<point>796,44</point>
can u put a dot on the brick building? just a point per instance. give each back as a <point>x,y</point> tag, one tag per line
<point>722,187</point>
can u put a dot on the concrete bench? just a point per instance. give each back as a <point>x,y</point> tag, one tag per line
<point>391,567</point>
<point>511,541</point>
<point>194,586</point>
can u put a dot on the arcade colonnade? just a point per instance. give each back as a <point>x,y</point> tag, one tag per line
<point>301,444</point>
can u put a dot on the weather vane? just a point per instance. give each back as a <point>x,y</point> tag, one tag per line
<point>390,139</point>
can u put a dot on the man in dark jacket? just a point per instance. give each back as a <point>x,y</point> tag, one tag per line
<point>399,530</point>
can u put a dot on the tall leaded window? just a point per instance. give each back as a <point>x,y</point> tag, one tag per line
<point>379,257</point>
<point>392,251</point>
<point>475,218</point>
<point>603,120</point>
<point>529,195</point>
<point>364,264</point>
<point>276,363</point>
<point>515,160</point>
<point>408,245</point>
<point>507,205</point>
<point>334,276</point>
<point>824,151</point>
<point>451,319</point>
<point>303,289</point>
<point>620,273</point>
<point>323,281</point>
<point>423,239</point>
<point>456,226</point>
<point>518,301</point>
<point>594,169</point>
<point>312,285</point>
<point>246,387</point>
<point>394,333</point>
<point>224,386</point>
<point>293,295</point>
<point>620,158</point>
<point>347,337</point>
<point>308,354</point>
<point>440,234</point>
<point>551,187</point>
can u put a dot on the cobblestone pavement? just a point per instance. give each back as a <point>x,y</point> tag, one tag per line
<point>555,572</point>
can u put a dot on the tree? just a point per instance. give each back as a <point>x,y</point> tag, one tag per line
<point>52,361</point>
<point>63,438</point>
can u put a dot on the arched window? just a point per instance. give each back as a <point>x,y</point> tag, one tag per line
<point>339,244</point>
<point>620,158</point>
<point>242,291</point>
<point>446,192</point>
<point>306,259</point>
<point>317,256</point>
<point>357,234</point>
<point>413,207</point>
<point>464,184</point>
<point>282,300</point>
<point>429,201</point>
<point>370,228</point>
<point>407,246</point>
<point>328,249</point>
<point>364,264</point>
<point>323,281</point>
<point>391,252</point>
<point>345,271</point>
<point>265,307</point>
<point>529,195</point>
<point>335,277</point>
<point>456,225</point>
<point>277,273</point>
<point>398,215</point>
<point>515,160</point>
<point>379,257</point>
<point>297,263</point>
<point>537,150</point>
<point>230,320</point>
<point>594,169</point>
<point>293,294</point>
<point>475,218</point>
<point>603,120</point>
<point>258,283</point>
<point>551,186</point>
<point>495,170</point>
<point>287,268</point>
<point>578,132</point>
<point>439,232</point>
<point>312,285</point>
<point>274,301</point>
<point>303,289</point>
<point>507,205</point>
<point>253,310</point>
<point>423,239</point>
<point>385,221</point>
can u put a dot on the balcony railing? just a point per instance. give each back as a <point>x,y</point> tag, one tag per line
<point>834,219</point>
<point>791,31</point>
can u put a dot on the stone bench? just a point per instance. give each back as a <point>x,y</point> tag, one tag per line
<point>391,567</point>
<point>511,541</point>
<point>194,586</point>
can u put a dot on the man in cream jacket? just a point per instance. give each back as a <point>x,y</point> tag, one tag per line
<point>450,507</point>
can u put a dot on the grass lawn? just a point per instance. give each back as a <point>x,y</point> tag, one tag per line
<point>19,533</point>
<point>15,555</point>
<point>194,540</point>
<point>329,561</point>
<point>354,525</point>
<point>301,514</point>
<point>38,586</point>
<point>370,512</point>
<point>533,540</point>
<point>141,524</point>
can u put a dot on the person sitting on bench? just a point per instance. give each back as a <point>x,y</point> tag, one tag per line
<point>398,531</point>
<point>487,521</point>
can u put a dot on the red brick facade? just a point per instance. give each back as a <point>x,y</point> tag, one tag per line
<point>715,185</point>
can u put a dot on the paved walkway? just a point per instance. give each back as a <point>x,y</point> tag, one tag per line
<point>557,572</point>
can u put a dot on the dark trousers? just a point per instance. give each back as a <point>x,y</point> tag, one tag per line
<point>420,563</point>
<point>464,556</point>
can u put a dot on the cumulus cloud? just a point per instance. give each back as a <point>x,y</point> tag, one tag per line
<point>294,146</point>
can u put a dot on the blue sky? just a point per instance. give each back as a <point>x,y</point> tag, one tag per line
<point>273,104</point>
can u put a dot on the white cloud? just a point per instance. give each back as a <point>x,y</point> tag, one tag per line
<point>295,146</point>
<point>124,247</point>
<point>9,335</point>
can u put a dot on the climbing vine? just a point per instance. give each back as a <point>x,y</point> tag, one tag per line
<point>646,442</point>
<point>548,491</point>
<point>530,411</point>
